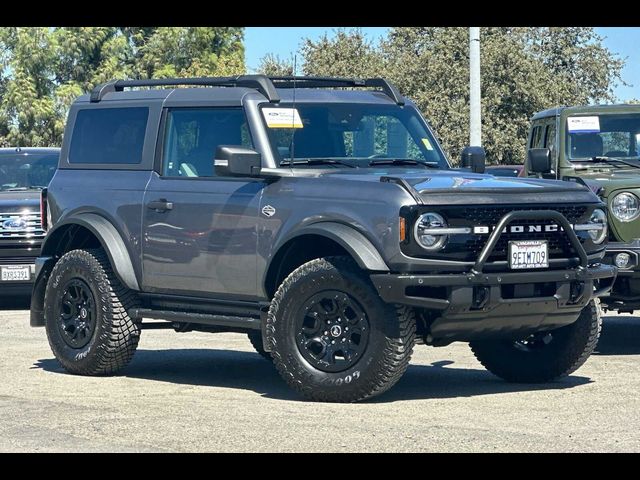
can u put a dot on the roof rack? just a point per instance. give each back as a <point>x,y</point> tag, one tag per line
<point>326,82</point>
<point>259,82</point>
<point>264,84</point>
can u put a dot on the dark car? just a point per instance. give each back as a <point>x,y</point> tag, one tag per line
<point>325,223</point>
<point>24,172</point>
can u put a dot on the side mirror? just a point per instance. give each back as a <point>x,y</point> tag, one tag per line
<point>539,160</point>
<point>236,161</point>
<point>474,158</point>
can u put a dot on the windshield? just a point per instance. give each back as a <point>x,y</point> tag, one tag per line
<point>607,135</point>
<point>352,134</point>
<point>26,172</point>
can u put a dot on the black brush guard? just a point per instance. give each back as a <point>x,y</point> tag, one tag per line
<point>511,304</point>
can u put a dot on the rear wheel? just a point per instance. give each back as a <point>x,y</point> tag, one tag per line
<point>86,315</point>
<point>332,337</point>
<point>543,356</point>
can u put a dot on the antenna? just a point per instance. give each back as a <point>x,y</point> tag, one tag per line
<point>293,113</point>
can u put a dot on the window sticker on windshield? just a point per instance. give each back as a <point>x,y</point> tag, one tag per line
<point>583,124</point>
<point>427,144</point>
<point>282,117</point>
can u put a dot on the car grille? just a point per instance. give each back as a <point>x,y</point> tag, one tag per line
<point>559,245</point>
<point>32,226</point>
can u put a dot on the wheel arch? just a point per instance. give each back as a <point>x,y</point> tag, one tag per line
<point>84,230</point>
<point>319,240</point>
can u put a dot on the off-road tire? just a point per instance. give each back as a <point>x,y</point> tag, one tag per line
<point>569,349</point>
<point>390,342</point>
<point>116,334</point>
<point>255,337</point>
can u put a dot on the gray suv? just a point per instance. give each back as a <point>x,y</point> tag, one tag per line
<point>321,217</point>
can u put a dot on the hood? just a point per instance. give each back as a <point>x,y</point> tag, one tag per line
<point>13,202</point>
<point>612,180</point>
<point>459,187</point>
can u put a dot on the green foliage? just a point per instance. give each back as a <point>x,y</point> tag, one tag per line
<point>42,70</point>
<point>523,70</point>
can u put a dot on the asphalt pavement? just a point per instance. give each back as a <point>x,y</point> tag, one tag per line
<point>193,392</point>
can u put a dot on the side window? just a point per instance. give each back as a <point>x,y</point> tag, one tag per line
<point>109,136</point>
<point>193,134</point>
<point>537,137</point>
<point>550,139</point>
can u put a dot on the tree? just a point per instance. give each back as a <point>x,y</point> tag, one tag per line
<point>44,69</point>
<point>274,66</point>
<point>523,70</point>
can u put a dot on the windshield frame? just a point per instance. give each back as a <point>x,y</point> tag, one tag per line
<point>13,159</point>
<point>358,162</point>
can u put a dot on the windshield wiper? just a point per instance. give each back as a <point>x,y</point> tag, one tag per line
<point>317,161</point>
<point>600,158</point>
<point>402,161</point>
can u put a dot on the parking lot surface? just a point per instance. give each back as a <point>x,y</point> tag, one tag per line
<point>210,392</point>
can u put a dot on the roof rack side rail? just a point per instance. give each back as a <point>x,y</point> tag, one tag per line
<point>261,83</point>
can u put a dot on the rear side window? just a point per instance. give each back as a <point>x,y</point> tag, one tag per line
<point>109,136</point>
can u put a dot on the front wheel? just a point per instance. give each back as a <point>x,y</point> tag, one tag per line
<point>332,337</point>
<point>543,356</point>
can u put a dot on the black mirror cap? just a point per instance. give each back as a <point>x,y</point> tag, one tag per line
<point>539,160</point>
<point>474,158</point>
<point>237,161</point>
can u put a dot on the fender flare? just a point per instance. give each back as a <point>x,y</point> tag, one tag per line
<point>354,242</point>
<point>109,238</point>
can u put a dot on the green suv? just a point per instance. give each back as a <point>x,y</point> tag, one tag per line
<point>598,145</point>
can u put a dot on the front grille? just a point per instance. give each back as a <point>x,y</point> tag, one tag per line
<point>467,247</point>
<point>32,226</point>
<point>492,215</point>
<point>559,245</point>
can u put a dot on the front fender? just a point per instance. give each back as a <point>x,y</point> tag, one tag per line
<point>109,238</point>
<point>355,243</point>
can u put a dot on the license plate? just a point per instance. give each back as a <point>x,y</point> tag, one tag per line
<point>528,254</point>
<point>15,273</point>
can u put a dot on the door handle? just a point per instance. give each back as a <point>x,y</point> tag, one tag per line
<point>160,206</point>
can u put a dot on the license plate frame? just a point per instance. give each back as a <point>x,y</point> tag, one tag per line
<point>529,254</point>
<point>15,273</point>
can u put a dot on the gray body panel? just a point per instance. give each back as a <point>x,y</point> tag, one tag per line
<point>215,242</point>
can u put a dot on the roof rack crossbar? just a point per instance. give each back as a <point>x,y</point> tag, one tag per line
<point>322,82</point>
<point>261,83</point>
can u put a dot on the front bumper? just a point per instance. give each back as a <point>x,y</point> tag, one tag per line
<point>625,294</point>
<point>466,306</point>
<point>632,249</point>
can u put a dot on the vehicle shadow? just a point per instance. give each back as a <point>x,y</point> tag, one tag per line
<point>620,336</point>
<point>249,371</point>
<point>17,302</point>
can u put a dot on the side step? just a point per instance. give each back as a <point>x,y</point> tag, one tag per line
<point>201,318</point>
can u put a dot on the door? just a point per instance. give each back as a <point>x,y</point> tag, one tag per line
<point>200,230</point>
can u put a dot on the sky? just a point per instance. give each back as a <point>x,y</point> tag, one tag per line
<point>285,41</point>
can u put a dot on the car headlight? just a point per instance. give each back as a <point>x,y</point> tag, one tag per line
<point>427,231</point>
<point>625,207</point>
<point>599,218</point>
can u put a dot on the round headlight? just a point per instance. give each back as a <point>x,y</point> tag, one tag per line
<point>625,207</point>
<point>598,217</point>
<point>423,231</point>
